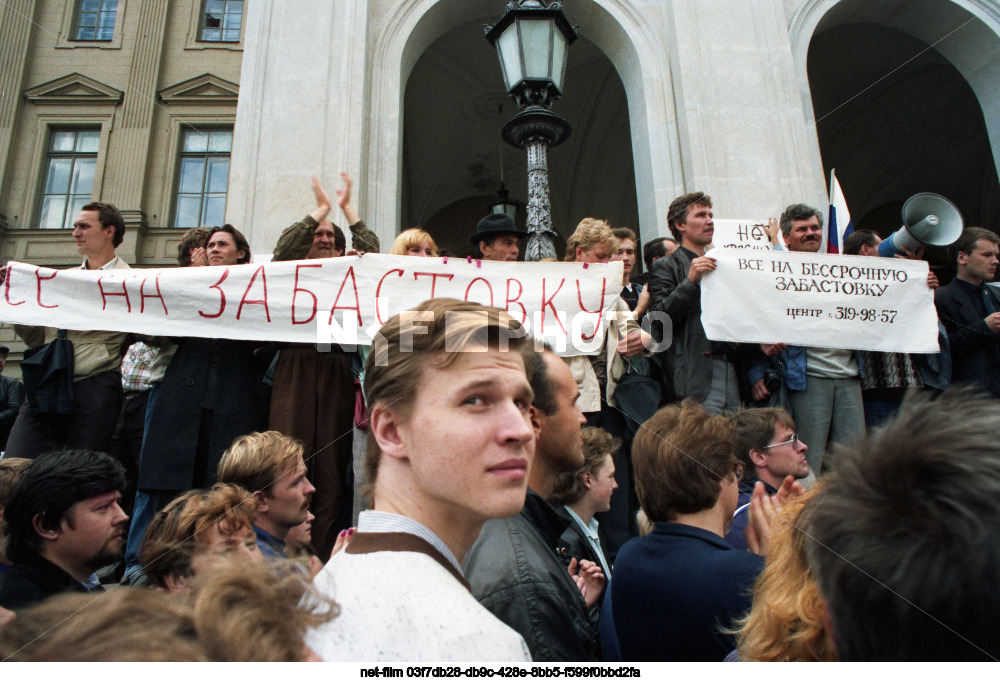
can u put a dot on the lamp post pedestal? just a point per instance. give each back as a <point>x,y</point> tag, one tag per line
<point>535,130</point>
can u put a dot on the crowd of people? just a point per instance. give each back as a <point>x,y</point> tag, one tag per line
<point>475,496</point>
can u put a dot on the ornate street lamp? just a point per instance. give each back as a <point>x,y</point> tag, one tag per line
<point>531,40</point>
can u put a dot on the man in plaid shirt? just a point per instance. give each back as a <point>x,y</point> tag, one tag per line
<point>126,441</point>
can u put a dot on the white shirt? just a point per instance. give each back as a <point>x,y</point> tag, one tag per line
<point>109,265</point>
<point>380,521</point>
<point>590,531</point>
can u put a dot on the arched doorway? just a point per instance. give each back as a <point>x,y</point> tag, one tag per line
<point>454,108</point>
<point>901,108</point>
<point>611,41</point>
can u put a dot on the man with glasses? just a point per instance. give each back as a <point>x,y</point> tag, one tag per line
<point>770,450</point>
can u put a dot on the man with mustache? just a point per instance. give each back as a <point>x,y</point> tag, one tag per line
<point>312,397</point>
<point>700,369</point>
<point>63,524</point>
<point>824,388</point>
<point>269,465</point>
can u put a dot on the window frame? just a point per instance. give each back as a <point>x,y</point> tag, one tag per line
<point>45,124</point>
<point>203,15</point>
<point>66,40</point>
<point>194,40</point>
<point>179,155</point>
<point>97,28</point>
<point>74,155</point>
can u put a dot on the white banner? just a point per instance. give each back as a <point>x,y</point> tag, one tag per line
<point>819,300</point>
<point>740,234</point>
<point>339,300</point>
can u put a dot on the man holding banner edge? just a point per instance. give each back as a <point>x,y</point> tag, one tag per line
<point>701,369</point>
<point>824,387</point>
<point>97,391</point>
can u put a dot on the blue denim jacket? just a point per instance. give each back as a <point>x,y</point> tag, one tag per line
<point>791,363</point>
<point>270,546</point>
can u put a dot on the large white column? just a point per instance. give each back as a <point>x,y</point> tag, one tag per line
<point>747,133</point>
<point>300,112</point>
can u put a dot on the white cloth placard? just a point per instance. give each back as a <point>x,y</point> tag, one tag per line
<point>340,300</point>
<point>819,300</point>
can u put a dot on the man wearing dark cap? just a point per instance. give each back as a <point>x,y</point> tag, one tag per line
<point>497,238</point>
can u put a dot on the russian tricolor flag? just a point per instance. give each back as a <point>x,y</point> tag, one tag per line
<point>838,218</point>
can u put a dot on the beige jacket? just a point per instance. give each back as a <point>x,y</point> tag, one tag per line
<point>94,352</point>
<point>621,323</point>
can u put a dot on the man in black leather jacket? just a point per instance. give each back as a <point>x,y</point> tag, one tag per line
<point>701,369</point>
<point>514,569</point>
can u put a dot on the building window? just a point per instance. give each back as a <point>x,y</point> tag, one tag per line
<point>202,178</point>
<point>220,21</point>
<point>70,161</point>
<point>95,19</point>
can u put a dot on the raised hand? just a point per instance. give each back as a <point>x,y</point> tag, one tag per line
<point>589,579</point>
<point>344,193</point>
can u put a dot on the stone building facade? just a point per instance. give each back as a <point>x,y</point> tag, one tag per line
<point>751,101</point>
<point>97,101</point>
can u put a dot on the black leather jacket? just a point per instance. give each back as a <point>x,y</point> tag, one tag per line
<point>688,360</point>
<point>574,544</point>
<point>517,575</point>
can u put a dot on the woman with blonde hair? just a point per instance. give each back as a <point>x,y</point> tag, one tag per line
<point>592,241</point>
<point>785,623</point>
<point>597,374</point>
<point>416,242</point>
